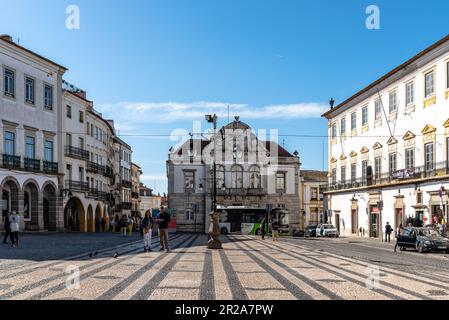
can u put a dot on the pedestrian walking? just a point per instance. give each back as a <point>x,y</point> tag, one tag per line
<point>388,231</point>
<point>263,231</point>
<point>7,229</point>
<point>130,225</point>
<point>147,227</point>
<point>163,220</point>
<point>14,221</point>
<point>123,225</point>
<point>398,233</point>
<point>275,230</point>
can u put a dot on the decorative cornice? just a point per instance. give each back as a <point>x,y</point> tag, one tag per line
<point>364,150</point>
<point>392,140</point>
<point>377,146</point>
<point>353,154</point>
<point>409,135</point>
<point>428,129</point>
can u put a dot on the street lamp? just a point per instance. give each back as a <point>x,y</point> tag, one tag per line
<point>214,228</point>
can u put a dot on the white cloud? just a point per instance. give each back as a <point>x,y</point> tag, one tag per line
<point>131,115</point>
<point>154,177</point>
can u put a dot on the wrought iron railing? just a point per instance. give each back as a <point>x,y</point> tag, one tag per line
<point>32,164</point>
<point>127,184</point>
<point>50,167</point>
<point>10,161</point>
<point>77,185</point>
<point>418,173</point>
<point>75,152</point>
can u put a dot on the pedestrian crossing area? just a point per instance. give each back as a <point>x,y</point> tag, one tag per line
<point>248,268</point>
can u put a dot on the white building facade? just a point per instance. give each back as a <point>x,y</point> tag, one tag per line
<point>30,144</point>
<point>62,165</point>
<point>253,176</point>
<point>389,147</point>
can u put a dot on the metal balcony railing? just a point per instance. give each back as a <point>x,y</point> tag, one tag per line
<point>50,167</point>
<point>10,161</point>
<point>77,185</point>
<point>32,164</point>
<point>75,152</point>
<point>418,173</point>
<point>127,184</point>
<point>126,205</point>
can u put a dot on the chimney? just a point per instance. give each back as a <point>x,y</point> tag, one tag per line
<point>6,37</point>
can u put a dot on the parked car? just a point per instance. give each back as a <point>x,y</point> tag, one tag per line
<point>298,233</point>
<point>423,240</point>
<point>327,230</point>
<point>310,231</point>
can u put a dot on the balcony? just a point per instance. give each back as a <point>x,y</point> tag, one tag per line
<point>135,195</point>
<point>126,205</point>
<point>127,184</point>
<point>256,192</point>
<point>31,164</point>
<point>108,172</point>
<point>79,186</point>
<point>93,193</point>
<point>242,191</point>
<point>97,168</point>
<point>411,175</point>
<point>77,153</point>
<point>50,167</point>
<point>92,167</point>
<point>11,162</point>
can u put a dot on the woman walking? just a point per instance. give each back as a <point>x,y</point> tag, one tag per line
<point>14,225</point>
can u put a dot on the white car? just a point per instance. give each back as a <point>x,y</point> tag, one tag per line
<point>327,230</point>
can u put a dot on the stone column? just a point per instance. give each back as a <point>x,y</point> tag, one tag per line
<point>40,210</point>
<point>17,204</point>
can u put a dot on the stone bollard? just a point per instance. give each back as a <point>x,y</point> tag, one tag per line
<point>214,231</point>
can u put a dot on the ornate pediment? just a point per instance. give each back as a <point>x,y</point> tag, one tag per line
<point>428,129</point>
<point>392,140</point>
<point>342,157</point>
<point>333,160</point>
<point>377,146</point>
<point>409,135</point>
<point>353,154</point>
<point>364,150</point>
<point>446,124</point>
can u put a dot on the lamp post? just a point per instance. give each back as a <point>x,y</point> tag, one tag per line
<point>214,228</point>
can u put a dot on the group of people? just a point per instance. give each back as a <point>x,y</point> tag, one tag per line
<point>12,225</point>
<point>274,227</point>
<point>148,223</point>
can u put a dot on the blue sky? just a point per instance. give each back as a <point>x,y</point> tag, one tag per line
<point>156,66</point>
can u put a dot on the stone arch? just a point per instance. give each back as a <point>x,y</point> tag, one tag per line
<point>98,218</point>
<point>49,183</point>
<point>31,204</point>
<point>90,219</point>
<point>49,206</point>
<point>11,193</point>
<point>74,215</point>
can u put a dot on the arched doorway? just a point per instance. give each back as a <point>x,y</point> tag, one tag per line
<point>90,219</point>
<point>49,207</point>
<point>74,215</point>
<point>10,196</point>
<point>98,218</point>
<point>31,205</point>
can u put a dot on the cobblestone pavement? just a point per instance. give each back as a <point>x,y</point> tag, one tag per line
<point>247,268</point>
